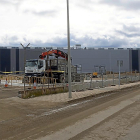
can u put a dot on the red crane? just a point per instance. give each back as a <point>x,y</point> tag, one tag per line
<point>56,52</point>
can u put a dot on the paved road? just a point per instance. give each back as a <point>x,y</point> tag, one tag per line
<point>114,116</point>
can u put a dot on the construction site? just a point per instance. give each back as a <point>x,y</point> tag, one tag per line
<point>70,70</point>
<point>35,102</point>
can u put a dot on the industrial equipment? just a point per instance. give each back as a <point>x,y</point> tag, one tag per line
<point>55,68</point>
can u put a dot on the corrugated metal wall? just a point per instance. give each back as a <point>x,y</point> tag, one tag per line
<point>13,59</point>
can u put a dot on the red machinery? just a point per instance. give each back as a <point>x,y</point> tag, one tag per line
<point>56,52</point>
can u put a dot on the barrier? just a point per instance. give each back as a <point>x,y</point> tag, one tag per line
<point>48,82</point>
<point>6,83</point>
<point>104,83</point>
<point>34,84</point>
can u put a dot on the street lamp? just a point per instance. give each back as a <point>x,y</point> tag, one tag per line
<point>69,60</point>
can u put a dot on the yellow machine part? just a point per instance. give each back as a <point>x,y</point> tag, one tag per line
<point>95,74</point>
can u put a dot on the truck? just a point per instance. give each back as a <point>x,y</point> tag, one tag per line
<point>56,68</point>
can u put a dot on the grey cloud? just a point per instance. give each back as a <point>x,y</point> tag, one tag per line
<point>11,2</point>
<point>102,42</point>
<point>128,34</point>
<point>7,1</point>
<point>15,38</point>
<point>12,41</point>
<point>58,42</point>
<point>129,31</point>
<point>131,28</point>
<point>42,13</point>
<point>86,41</point>
<point>8,38</point>
<point>85,4</point>
<point>128,5</point>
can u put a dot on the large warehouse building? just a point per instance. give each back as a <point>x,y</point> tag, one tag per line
<point>12,59</point>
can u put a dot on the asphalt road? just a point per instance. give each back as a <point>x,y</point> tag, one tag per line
<point>115,116</point>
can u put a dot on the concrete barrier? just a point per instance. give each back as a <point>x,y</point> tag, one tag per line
<point>38,92</point>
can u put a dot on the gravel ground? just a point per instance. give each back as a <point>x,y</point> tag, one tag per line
<point>103,118</point>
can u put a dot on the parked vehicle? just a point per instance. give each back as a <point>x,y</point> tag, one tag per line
<point>55,68</point>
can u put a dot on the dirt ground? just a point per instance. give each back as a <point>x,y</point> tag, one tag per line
<point>116,116</point>
<point>16,112</point>
<point>121,125</point>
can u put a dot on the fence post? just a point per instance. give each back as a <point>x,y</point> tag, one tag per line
<point>42,84</point>
<point>0,79</point>
<point>90,80</point>
<point>135,76</point>
<point>126,76</point>
<point>11,81</point>
<point>48,81</point>
<point>102,80</point>
<point>55,83</point>
<point>113,77</point>
<point>131,76</point>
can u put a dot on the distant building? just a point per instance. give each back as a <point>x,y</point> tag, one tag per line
<point>12,59</point>
<point>77,46</point>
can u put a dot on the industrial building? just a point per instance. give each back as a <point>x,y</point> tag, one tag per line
<point>12,59</point>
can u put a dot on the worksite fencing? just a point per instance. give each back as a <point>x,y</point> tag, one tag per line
<point>105,81</point>
<point>40,82</point>
<point>88,83</point>
<point>30,82</point>
<point>11,79</point>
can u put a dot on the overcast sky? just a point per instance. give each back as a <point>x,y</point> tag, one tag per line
<point>93,23</point>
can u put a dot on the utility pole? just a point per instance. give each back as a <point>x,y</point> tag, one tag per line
<point>69,58</point>
<point>24,62</point>
<point>119,74</point>
<point>65,74</point>
<point>120,64</point>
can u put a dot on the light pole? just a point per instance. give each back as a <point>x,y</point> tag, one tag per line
<point>119,74</point>
<point>110,61</point>
<point>69,60</point>
<point>120,64</point>
<point>64,73</point>
<point>24,62</point>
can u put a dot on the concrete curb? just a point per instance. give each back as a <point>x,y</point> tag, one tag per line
<point>102,93</point>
